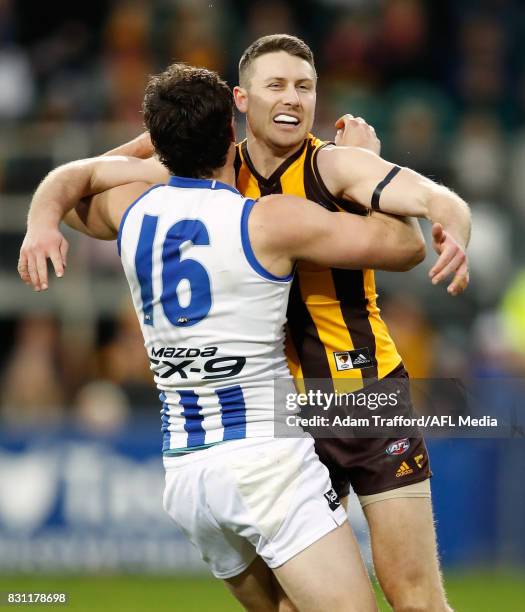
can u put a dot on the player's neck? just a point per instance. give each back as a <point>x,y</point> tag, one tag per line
<point>226,174</point>
<point>265,158</point>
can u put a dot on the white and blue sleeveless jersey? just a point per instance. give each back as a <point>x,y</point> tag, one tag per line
<point>212,317</point>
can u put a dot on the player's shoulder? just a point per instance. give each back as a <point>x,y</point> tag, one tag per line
<point>276,222</point>
<point>322,150</point>
<point>278,204</point>
<point>284,214</point>
<point>333,159</point>
<point>275,212</point>
<point>116,203</point>
<point>133,191</point>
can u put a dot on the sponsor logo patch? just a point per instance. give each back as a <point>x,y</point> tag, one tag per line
<point>398,447</point>
<point>404,470</point>
<point>353,360</point>
<point>419,460</point>
<point>332,499</point>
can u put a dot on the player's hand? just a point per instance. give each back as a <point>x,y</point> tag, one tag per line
<point>36,248</point>
<point>452,260</point>
<point>355,132</point>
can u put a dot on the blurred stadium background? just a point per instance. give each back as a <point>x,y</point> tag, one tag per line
<point>80,472</point>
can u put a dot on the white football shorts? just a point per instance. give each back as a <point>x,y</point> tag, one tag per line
<point>256,496</point>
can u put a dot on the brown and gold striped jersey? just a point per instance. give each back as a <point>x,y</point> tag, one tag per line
<point>335,330</point>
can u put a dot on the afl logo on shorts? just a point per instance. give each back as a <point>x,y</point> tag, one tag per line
<point>398,447</point>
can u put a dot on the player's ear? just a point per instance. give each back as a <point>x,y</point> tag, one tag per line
<point>240,95</point>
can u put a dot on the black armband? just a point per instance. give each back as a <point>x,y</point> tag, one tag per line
<point>377,191</point>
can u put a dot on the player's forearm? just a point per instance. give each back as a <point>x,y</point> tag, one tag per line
<point>59,193</point>
<point>403,245</point>
<point>140,147</point>
<point>447,208</point>
<point>411,194</point>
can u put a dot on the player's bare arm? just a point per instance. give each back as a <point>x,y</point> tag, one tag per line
<point>284,229</point>
<point>361,176</point>
<point>100,217</point>
<point>140,146</point>
<point>58,195</point>
<point>62,192</point>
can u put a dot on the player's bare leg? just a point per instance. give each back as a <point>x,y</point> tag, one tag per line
<point>283,601</point>
<point>329,575</point>
<point>405,554</point>
<point>256,589</point>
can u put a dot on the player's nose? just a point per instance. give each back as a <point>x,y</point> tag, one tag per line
<point>290,96</point>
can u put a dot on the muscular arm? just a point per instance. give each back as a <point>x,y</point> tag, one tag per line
<point>57,196</point>
<point>64,187</point>
<point>338,240</point>
<point>353,173</point>
<point>101,217</point>
<point>140,146</point>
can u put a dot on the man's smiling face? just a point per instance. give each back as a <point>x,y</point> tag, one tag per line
<point>279,99</point>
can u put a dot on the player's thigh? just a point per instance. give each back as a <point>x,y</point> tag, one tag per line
<point>328,575</point>
<point>405,553</point>
<point>255,588</point>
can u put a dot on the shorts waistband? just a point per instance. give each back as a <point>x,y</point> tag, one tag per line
<point>175,461</point>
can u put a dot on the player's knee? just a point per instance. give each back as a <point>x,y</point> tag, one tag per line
<point>418,599</point>
<point>415,593</point>
<point>420,607</point>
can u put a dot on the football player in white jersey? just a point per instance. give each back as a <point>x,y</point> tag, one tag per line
<point>209,273</point>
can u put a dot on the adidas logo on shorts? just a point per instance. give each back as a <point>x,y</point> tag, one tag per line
<point>404,470</point>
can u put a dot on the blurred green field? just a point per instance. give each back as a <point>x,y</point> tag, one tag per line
<point>469,592</point>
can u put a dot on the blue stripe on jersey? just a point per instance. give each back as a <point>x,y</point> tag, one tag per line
<point>233,412</point>
<point>144,265</point>
<point>126,213</point>
<point>166,434</point>
<point>193,419</point>
<point>185,182</point>
<point>248,251</point>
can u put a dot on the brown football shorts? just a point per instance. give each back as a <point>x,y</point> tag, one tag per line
<point>375,465</point>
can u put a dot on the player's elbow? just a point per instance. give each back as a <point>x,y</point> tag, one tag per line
<point>415,253</point>
<point>405,256</point>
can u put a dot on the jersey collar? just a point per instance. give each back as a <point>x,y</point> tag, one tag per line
<point>187,182</point>
<point>278,172</point>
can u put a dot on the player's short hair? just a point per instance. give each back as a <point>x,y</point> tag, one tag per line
<point>271,44</point>
<point>188,112</point>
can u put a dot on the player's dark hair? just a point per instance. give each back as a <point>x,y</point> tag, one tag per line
<point>188,112</point>
<point>271,44</point>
